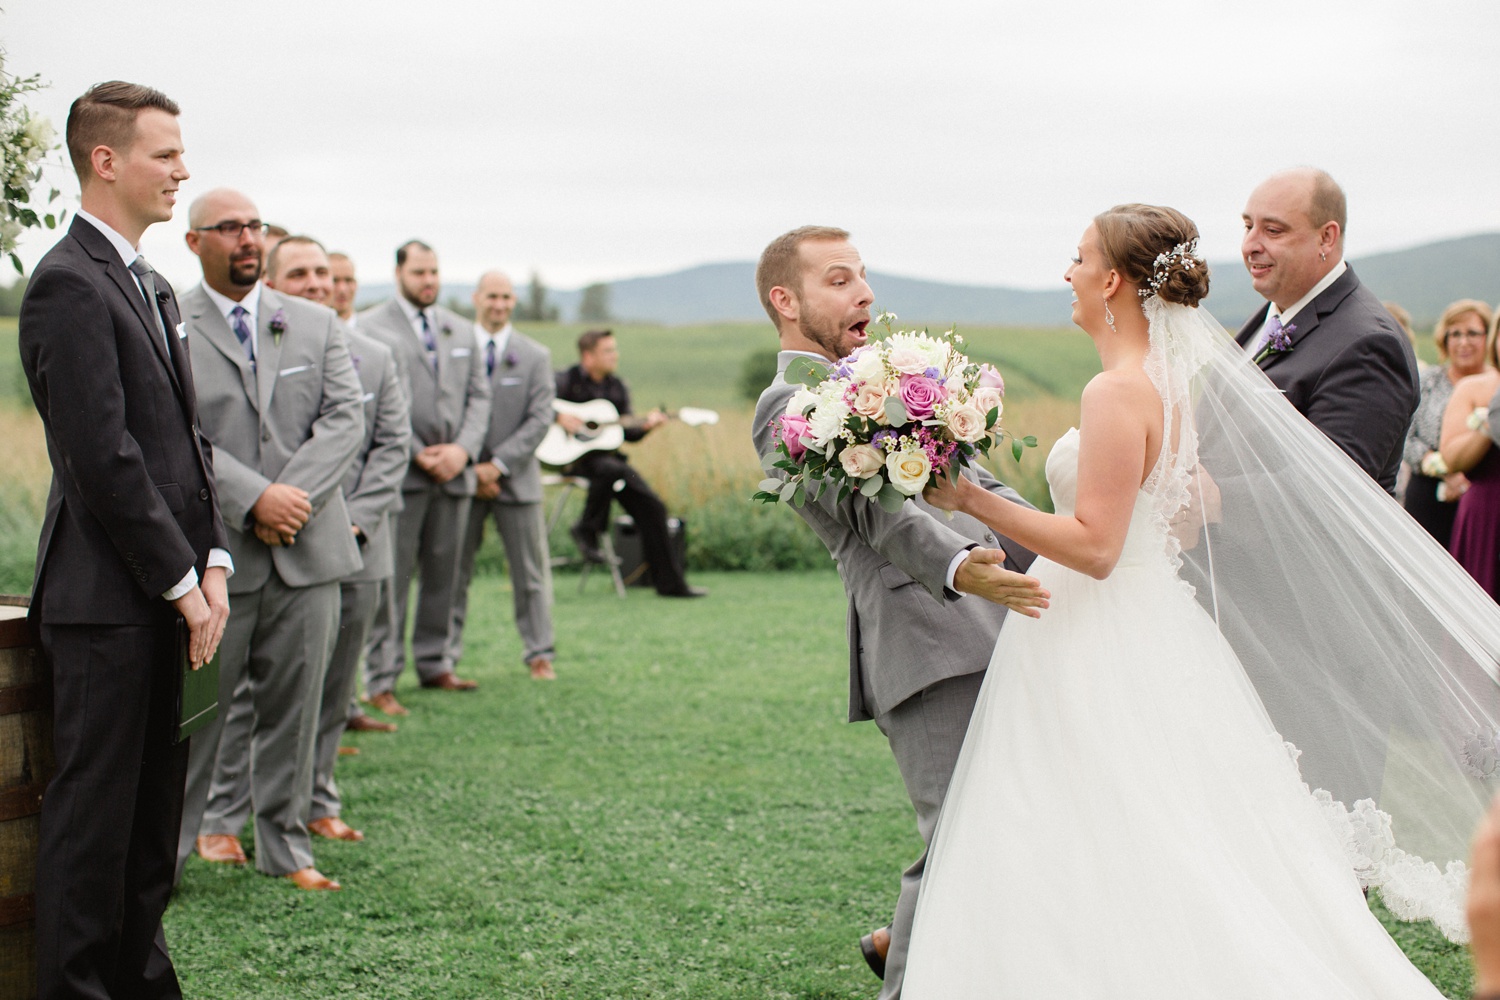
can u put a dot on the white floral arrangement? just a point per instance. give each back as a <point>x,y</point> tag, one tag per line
<point>884,420</point>
<point>25,139</point>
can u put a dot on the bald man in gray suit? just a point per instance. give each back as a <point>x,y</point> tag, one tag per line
<point>450,411</point>
<point>510,479</point>
<point>280,401</point>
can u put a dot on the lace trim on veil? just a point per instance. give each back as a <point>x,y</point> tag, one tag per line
<point>1171,364</point>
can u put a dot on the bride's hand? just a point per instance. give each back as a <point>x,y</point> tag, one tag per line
<point>945,491</point>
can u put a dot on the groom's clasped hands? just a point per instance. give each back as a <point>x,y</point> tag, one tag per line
<point>983,574</point>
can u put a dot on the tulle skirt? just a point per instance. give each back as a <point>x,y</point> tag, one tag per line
<point>1124,822</point>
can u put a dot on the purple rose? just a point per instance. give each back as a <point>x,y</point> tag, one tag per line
<point>989,378</point>
<point>793,428</point>
<point>921,395</point>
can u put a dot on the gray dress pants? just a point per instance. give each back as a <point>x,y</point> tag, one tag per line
<point>279,638</point>
<point>428,530</point>
<point>523,531</point>
<point>926,732</point>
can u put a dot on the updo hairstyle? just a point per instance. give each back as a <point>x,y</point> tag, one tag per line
<point>1154,247</point>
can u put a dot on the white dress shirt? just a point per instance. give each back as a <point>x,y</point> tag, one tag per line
<point>501,339</point>
<point>1258,342</point>
<point>128,254</point>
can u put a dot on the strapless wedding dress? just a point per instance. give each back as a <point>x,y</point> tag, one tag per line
<point>1125,822</point>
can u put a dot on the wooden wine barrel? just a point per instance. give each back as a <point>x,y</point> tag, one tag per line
<point>25,765</point>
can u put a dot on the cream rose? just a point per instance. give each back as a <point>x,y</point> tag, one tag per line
<point>966,423</point>
<point>908,471</point>
<point>861,461</point>
<point>869,401</point>
<point>908,360</point>
<point>987,398</point>
<point>867,363</point>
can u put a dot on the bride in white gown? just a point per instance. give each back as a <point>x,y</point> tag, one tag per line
<point>1125,820</point>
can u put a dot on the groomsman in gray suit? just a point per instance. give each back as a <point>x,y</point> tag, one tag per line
<point>280,401</point>
<point>918,647</point>
<point>299,266</point>
<point>450,411</point>
<point>509,477</point>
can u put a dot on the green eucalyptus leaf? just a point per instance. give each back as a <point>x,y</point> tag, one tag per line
<point>891,499</point>
<point>788,490</point>
<point>1029,441</point>
<point>895,411</point>
<point>770,485</point>
<point>806,371</point>
<point>871,486</point>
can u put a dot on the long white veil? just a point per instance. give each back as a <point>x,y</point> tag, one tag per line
<point>1374,652</point>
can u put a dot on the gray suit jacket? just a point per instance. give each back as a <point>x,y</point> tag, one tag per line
<point>451,405</point>
<point>522,391</point>
<point>372,489</point>
<point>296,419</point>
<point>1350,371</point>
<point>907,630</point>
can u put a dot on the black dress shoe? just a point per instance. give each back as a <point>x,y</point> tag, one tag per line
<point>685,592</point>
<point>588,544</point>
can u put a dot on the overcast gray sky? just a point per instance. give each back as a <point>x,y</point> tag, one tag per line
<point>957,140</point>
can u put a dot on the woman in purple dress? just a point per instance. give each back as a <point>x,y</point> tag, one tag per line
<point>1467,448</point>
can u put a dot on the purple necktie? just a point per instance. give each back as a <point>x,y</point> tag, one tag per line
<point>428,342</point>
<point>242,331</point>
<point>489,358</point>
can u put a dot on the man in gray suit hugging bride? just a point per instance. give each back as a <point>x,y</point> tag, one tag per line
<point>918,647</point>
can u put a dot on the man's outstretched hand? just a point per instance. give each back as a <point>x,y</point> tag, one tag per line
<point>984,575</point>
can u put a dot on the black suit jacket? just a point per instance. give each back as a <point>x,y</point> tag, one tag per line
<point>1351,371</point>
<point>132,505</point>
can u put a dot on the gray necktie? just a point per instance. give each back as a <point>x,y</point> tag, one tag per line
<point>429,343</point>
<point>147,278</point>
<point>242,332</point>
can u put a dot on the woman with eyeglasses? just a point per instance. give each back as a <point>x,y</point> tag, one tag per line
<point>1466,448</point>
<point>1433,491</point>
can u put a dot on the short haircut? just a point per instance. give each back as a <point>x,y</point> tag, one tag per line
<point>273,259</point>
<point>781,263</point>
<point>275,232</point>
<point>1458,310</point>
<point>105,116</point>
<point>589,339</point>
<point>340,255</point>
<point>405,249</point>
<point>1327,203</point>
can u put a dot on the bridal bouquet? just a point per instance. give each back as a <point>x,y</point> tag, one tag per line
<point>885,419</point>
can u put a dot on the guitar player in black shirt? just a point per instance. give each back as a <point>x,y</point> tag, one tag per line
<point>609,474</point>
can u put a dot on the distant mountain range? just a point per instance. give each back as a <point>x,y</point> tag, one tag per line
<point>1424,279</point>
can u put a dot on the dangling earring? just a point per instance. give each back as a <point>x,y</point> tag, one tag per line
<point>1109,317</point>
<point>1323,254</point>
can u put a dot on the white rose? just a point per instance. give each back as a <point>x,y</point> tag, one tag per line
<point>908,360</point>
<point>987,398</point>
<point>800,401</point>
<point>867,363</point>
<point>908,471</point>
<point>966,423</point>
<point>39,131</point>
<point>861,461</point>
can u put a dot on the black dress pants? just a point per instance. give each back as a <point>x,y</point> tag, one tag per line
<point>110,814</point>
<point>611,477</point>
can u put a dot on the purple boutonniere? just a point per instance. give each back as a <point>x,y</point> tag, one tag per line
<point>354,359</point>
<point>510,359</point>
<point>1279,342</point>
<point>278,326</point>
<point>447,330</point>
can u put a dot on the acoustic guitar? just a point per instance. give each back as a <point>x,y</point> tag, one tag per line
<point>603,429</point>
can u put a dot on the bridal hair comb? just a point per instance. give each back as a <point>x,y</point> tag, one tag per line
<point>1185,252</point>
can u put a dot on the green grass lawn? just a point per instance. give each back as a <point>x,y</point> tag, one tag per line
<point>684,813</point>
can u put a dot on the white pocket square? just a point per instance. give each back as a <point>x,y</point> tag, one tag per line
<point>461,352</point>
<point>367,397</point>
<point>510,381</point>
<point>181,331</point>
<point>294,370</point>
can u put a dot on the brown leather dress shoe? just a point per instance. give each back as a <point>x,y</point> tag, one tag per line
<point>450,682</point>
<point>386,702</point>
<point>541,669</point>
<point>221,848</point>
<point>348,751</point>
<point>334,829</point>
<point>364,724</point>
<point>313,880</point>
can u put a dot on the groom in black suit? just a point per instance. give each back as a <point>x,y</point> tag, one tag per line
<point>132,543</point>
<point>1323,338</point>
